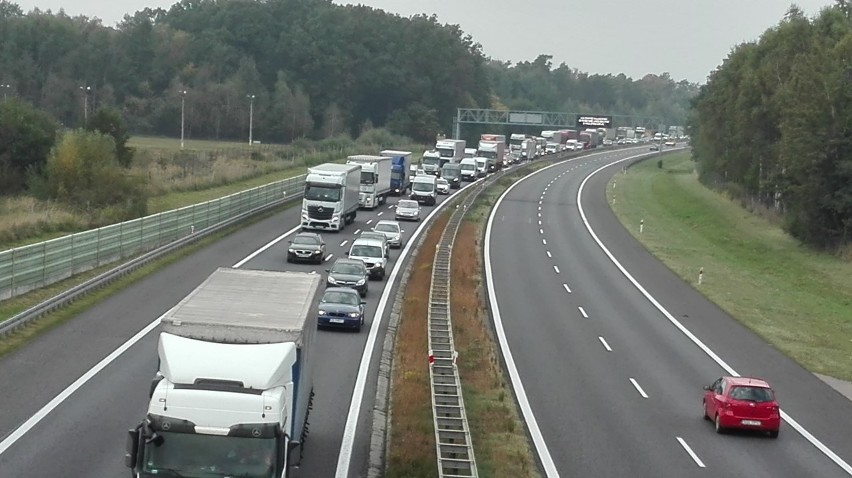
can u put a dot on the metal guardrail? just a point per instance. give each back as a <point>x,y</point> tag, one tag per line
<point>183,229</point>
<point>38,265</point>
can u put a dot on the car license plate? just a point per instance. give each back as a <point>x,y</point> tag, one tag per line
<point>336,321</point>
<point>751,422</point>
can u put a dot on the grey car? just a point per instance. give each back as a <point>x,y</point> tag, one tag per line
<point>408,210</point>
<point>348,273</point>
<point>392,230</point>
<point>307,247</point>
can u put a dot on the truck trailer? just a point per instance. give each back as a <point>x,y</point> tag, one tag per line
<point>375,179</point>
<point>493,150</point>
<point>331,196</point>
<point>400,170</point>
<point>235,385</point>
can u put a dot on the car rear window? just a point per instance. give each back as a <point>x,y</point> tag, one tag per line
<point>752,394</point>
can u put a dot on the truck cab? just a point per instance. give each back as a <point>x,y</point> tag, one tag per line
<point>431,163</point>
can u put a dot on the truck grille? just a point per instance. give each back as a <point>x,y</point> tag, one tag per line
<point>320,212</point>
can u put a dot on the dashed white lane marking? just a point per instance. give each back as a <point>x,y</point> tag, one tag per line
<point>567,289</point>
<point>370,221</point>
<point>606,345</point>
<point>549,255</point>
<point>344,243</point>
<point>379,214</point>
<point>541,231</point>
<point>583,311</point>
<point>357,231</point>
<point>390,207</point>
<point>539,222</point>
<point>638,388</point>
<point>326,258</point>
<point>691,453</point>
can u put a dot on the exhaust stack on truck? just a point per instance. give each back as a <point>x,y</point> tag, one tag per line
<point>235,384</point>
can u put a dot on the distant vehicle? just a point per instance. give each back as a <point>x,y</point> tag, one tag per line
<point>443,186</point>
<point>379,237</point>
<point>331,196</point>
<point>469,152</point>
<point>408,209</point>
<point>341,307</point>
<point>654,147</point>
<point>742,402</point>
<point>348,273</point>
<point>670,143</point>
<point>452,173</point>
<point>392,231</point>
<point>307,247</point>
<point>372,253</point>
<point>375,179</point>
<point>424,189</point>
<point>468,169</point>
<point>401,172</point>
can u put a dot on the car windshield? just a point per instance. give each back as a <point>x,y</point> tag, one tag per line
<point>387,228</point>
<point>407,205</point>
<point>306,240</point>
<point>443,182</point>
<point>426,187</point>
<point>752,394</point>
<point>488,154</point>
<point>374,235</point>
<point>340,297</point>
<point>361,250</point>
<point>190,454</point>
<point>468,167</point>
<point>314,192</point>
<point>348,268</point>
<point>450,173</point>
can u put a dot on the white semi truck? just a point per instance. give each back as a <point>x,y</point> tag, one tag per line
<point>375,179</point>
<point>235,385</point>
<point>516,143</point>
<point>331,196</point>
<point>495,151</point>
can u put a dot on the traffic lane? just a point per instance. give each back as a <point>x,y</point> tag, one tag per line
<point>338,352</point>
<point>41,369</point>
<point>585,410</point>
<point>815,405</point>
<point>85,437</point>
<point>670,369</point>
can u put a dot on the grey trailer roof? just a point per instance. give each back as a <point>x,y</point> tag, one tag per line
<point>246,306</point>
<point>333,167</point>
<point>365,158</point>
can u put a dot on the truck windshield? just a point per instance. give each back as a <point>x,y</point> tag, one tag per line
<point>316,192</point>
<point>367,178</point>
<point>190,454</point>
<point>468,167</point>
<point>431,161</point>
<point>515,142</point>
<point>396,176</point>
<point>423,187</point>
<point>488,154</point>
<point>446,152</point>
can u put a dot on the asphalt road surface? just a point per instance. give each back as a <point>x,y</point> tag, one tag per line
<point>48,432</point>
<point>610,386</point>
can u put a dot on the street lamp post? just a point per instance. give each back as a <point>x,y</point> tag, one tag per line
<point>182,105</point>
<point>86,90</point>
<point>5,90</point>
<point>251,117</point>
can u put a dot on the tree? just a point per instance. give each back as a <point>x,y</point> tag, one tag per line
<point>26,137</point>
<point>110,122</point>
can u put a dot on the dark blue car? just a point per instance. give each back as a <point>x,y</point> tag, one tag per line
<point>341,307</point>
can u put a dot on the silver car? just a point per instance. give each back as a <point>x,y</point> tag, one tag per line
<point>392,231</point>
<point>407,209</point>
<point>443,186</point>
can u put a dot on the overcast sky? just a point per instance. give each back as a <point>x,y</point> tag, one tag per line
<point>687,38</point>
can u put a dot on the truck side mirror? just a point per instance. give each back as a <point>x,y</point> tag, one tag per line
<point>706,387</point>
<point>132,451</point>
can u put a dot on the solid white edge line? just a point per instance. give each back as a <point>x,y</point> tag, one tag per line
<point>787,418</point>
<point>638,388</point>
<point>567,289</point>
<point>606,345</point>
<point>70,389</point>
<point>349,431</point>
<point>583,311</point>
<point>691,453</point>
<point>556,269</point>
<point>264,248</point>
<point>517,384</point>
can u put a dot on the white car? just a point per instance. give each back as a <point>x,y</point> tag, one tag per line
<point>443,186</point>
<point>392,231</point>
<point>408,209</point>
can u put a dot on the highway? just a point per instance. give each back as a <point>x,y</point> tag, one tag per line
<point>609,384</point>
<point>70,396</point>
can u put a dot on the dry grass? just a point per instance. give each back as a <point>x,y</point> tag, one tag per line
<point>411,453</point>
<point>22,216</point>
<point>499,440</point>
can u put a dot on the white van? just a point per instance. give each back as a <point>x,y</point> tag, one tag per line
<point>424,189</point>
<point>468,169</point>
<point>481,166</point>
<point>372,253</point>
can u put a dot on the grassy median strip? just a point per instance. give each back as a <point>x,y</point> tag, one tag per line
<point>797,299</point>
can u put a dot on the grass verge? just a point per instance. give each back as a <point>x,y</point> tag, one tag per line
<point>797,299</point>
<point>411,451</point>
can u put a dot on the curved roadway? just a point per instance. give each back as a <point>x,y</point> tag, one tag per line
<point>69,397</point>
<point>609,385</point>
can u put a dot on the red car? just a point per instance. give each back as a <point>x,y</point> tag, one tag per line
<point>742,402</point>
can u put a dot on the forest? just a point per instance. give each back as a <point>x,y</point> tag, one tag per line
<point>773,125</point>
